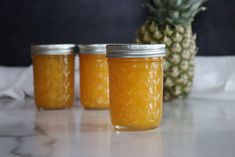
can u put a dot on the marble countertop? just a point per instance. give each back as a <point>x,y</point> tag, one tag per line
<point>190,128</point>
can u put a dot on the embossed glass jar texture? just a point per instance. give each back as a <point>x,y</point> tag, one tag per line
<point>53,69</point>
<point>136,86</point>
<point>94,86</point>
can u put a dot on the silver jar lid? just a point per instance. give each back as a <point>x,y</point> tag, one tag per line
<point>135,50</point>
<point>53,49</point>
<point>92,48</point>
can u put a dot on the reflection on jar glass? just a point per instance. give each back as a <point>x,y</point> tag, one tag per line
<point>55,122</point>
<point>147,143</point>
<point>97,121</point>
<point>53,67</point>
<point>95,130</point>
<point>56,131</point>
<point>136,78</point>
<point>94,87</point>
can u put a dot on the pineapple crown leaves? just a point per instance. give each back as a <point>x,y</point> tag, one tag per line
<point>174,11</point>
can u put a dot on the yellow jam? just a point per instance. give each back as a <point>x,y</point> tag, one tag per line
<point>53,81</point>
<point>94,86</point>
<point>136,87</point>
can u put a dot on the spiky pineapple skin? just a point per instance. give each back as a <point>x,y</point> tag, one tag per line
<point>180,56</point>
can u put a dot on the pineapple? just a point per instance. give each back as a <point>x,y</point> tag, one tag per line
<point>170,24</point>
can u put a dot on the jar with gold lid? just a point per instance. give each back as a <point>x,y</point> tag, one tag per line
<point>136,85</point>
<point>53,70</point>
<point>94,86</point>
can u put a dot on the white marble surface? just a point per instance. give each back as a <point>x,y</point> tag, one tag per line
<point>190,128</point>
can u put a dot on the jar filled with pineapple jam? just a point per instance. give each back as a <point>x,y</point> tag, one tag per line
<point>94,85</point>
<point>136,85</point>
<point>53,69</point>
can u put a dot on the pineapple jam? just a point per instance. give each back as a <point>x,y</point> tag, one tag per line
<point>53,69</point>
<point>136,86</point>
<point>94,85</point>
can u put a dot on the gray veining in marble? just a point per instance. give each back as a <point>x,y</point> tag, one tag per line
<point>190,128</point>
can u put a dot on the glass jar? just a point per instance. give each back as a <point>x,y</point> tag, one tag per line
<point>94,86</point>
<point>136,85</point>
<point>53,69</point>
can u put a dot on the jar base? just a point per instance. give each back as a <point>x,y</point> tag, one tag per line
<point>127,128</point>
<point>95,108</point>
<point>87,108</point>
<point>45,108</point>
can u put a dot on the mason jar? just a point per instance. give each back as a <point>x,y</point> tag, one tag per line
<point>136,85</point>
<point>53,70</point>
<point>94,85</point>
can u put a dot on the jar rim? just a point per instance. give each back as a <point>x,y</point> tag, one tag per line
<point>52,49</point>
<point>135,50</point>
<point>92,48</point>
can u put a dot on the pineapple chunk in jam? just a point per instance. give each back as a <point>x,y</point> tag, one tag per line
<point>136,88</point>
<point>94,92</point>
<point>53,81</point>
